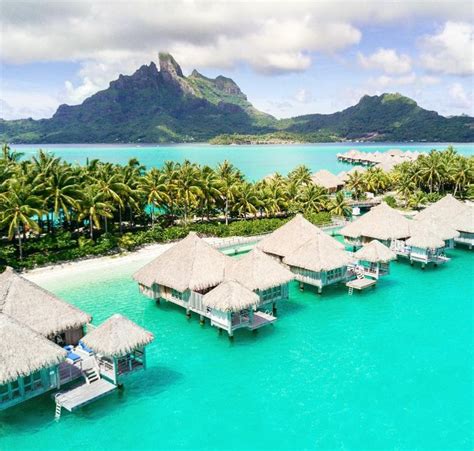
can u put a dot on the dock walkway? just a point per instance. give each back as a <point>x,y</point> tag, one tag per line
<point>360,284</point>
<point>84,394</point>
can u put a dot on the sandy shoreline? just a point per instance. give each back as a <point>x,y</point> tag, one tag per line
<point>101,266</point>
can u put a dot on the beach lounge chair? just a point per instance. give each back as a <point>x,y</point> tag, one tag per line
<point>72,356</point>
<point>85,348</point>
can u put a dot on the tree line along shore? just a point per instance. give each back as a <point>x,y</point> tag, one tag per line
<point>53,211</point>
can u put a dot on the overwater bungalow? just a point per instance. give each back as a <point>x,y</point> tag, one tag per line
<point>41,310</point>
<point>263,275</point>
<point>456,214</point>
<point>232,306</point>
<point>183,273</point>
<point>374,259</point>
<point>119,346</point>
<point>425,247</point>
<point>186,272</point>
<point>381,223</point>
<point>436,227</point>
<point>28,362</point>
<point>327,180</point>
<point>319,262</point>
<point>290,236</point>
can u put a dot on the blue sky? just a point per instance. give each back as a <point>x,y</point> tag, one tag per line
<point>289,58</point>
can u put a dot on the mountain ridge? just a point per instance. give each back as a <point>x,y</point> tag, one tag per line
<point>159,105</point>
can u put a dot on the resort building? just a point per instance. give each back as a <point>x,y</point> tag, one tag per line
<point>424,247</point>
<point>374,259</point>
<point>263,275</point>
<point>40,310</point>
<point>290,236</point>
<point>119,347</point>
<point>327,180</point>
<point>29,363</point>
<point>319,262</point>
<point>43,347</point>
<point>457,214</point>
<point>190,269</point>
<point>232,306</point>
<point>435,227</point>
<point>381,223</point>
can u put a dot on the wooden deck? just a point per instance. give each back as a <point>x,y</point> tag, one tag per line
<point>361,284</point>
<point>84,394</point>
<point>261,319</point>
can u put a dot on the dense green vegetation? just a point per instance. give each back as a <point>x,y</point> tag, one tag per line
<point>158,106</point>
<point>53,211</point>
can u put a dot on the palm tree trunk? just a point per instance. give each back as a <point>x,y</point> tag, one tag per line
<point>106,225</point>
<point>20,248</point>
<point>91,228</point>
<point>152,214</point>
<point>226,211</point>
<point>120,220</point>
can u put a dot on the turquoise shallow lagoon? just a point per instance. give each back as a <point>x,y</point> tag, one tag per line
<point>388,368</point>
<point>255,161</point>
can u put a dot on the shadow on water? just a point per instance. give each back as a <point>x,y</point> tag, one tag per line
<point>38,413</point>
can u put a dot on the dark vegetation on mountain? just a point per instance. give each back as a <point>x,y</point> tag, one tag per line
<point>165,106</point>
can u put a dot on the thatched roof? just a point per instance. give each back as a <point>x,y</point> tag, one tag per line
<point>375,252</point>
<point>433,226</point>
<point>464,221</point>
<point>425,240</point>
<point>445,208</point>
<point>36,307</point>
<point>318,254</point>
<point>230,296</point>
<point>326,179</point>
<point>257,271</point>
<point>190,264</point>
<point>292,235</point>
<point>381,222</point>
<point>117,336</point>
<point>24,351</point>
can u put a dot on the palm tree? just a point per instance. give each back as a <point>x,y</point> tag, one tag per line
<point>210,190</point>
<point>431,169</point>
<point>18,206</point>
<point>356,183</point>
<point>314,198</point>
<point>301,175</point>
<point>338,205</point>
<point>92,207</point>
<point>188,187</point>
<point>461,172</point>
<point>417,200</point>
<point>229,177</point>
<point>247,201</point>
<point>153,186</point>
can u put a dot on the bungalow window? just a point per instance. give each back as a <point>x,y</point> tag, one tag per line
<point>177,294</point>
<point>32,382</point>
<point>4,393</point>
<point>271,293</point>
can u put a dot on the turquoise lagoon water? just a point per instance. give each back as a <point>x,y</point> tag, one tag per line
<point>255,161</point>
<point>387,368</point>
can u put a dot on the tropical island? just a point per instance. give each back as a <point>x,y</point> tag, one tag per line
<point>53,211</point>
<point>162,105</point>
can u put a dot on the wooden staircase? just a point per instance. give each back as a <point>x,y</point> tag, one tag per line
<point>91,375</point>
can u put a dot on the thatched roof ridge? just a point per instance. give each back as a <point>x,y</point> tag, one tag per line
<point>317,254</point>
<point>117,336</point>
<point>375,252</point>
<point>446,208</point>
<point>425,240</point>
<point>464,221</point>
<point>326,179</point>
<point>258,271</point>
<point>291,235</point>
<point>24,351</point>
<point>190,264</point>
<point>230,296</point>
<point>381,222</point>
<point>437,227</point>
<point>36,307</point>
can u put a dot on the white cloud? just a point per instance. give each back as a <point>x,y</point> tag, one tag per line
<point>450,51</point>
<point>23,104</point>
<point>387,60</point>
<point>459,97</point>
<point>304,95</point>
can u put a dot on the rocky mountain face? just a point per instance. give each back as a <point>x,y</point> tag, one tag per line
<point>163,105</point>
